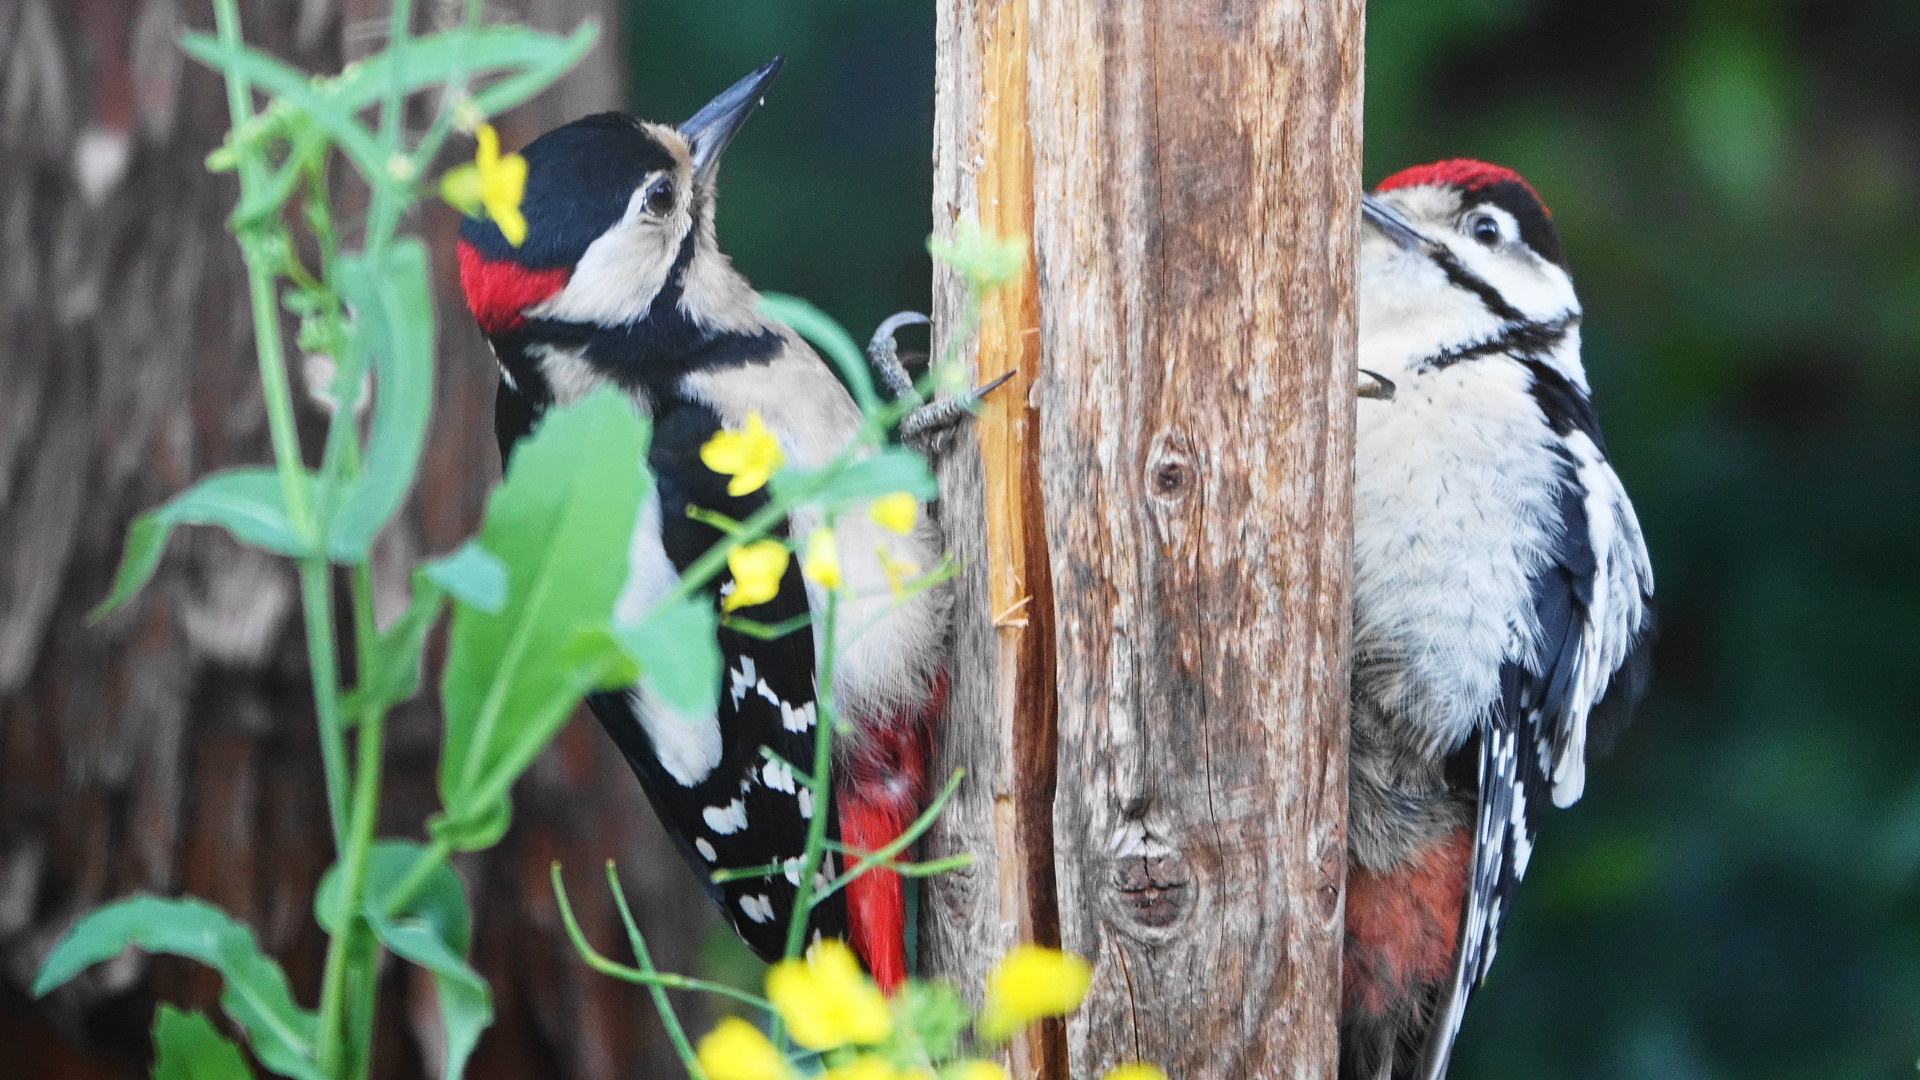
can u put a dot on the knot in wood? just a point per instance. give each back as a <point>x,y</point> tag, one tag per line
<point>1155,891</point>
<point>1172,478</point>
<point>1170,469</point>
<point>1169,477</point>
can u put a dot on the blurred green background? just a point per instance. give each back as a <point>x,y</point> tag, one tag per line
<point>1738,185</point>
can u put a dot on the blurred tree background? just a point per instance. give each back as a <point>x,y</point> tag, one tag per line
<point>1738,185</point>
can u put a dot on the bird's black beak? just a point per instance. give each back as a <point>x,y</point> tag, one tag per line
<point>710,130</point>
<point>1388,220</point>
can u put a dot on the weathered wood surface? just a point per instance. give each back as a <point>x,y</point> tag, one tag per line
<point>171,749</point>
<point>1196,175</point>
<point>1000,706</point>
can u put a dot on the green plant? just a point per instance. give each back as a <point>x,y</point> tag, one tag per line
<point>532,596</point>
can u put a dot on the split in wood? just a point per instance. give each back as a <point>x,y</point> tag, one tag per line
<point>1006,618</point>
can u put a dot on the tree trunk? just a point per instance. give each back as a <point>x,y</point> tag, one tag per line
<point>171,749</point>
<point>1158,736</point>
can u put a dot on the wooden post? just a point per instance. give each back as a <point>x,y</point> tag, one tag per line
<point>1150,656</point>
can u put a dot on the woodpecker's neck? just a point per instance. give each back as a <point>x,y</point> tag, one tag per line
<point>1425,311</point>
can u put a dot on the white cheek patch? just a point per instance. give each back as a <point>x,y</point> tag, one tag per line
<point>621,271</point>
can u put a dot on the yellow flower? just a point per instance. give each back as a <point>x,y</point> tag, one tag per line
<point>756,573</point>
<point>749,455</point>
<point>1138,1070</point>
<point>1029,983</point>
<point>823,559</point>
<point>492,183</point>
<point>895,513</point>
<point>735,1050</point>
<point>827,1001</point>
<point>974,1069</point>
<point>898,571</point>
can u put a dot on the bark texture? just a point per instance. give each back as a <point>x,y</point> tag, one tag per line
<point>170,749</point>
<point>1194,192</point>
<point>1001,703</point>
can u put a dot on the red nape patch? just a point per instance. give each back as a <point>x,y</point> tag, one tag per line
<point>1464,173</point>
<point>498,290</point>
<point>1402,926</point>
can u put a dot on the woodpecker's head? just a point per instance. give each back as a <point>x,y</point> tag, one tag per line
<point>1456,251</point>
<point>619,222</point>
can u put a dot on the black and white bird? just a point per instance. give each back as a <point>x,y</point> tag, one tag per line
<point>620,281</point>
<point>1503,601</point>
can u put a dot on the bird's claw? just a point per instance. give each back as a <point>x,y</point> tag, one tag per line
<point>929,426</point>
<point>884,354</point>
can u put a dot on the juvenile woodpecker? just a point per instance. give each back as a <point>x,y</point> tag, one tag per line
<point>620,281</point>
<point>1503,602</point>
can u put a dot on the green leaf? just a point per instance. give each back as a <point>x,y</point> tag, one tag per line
<point>596,649</point>
<point>881,473</point>
<point>393,329</point>
<point>821,329</point>
<point>296,89</point>
<point>538,74</point>
<point>431,59</point>
<point>678,655</point>
<point>394,675</point>
<point>932,1014</point>
<point>247,502</point>
<point>479,826</point>
<point>433,931</point>
<point>186,1047</point>
<point>473,576</point>
<point>255,994</point>
<point>561,521</point>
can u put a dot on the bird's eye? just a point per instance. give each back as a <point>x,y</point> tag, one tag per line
<point>660,198</point>
<point>1484,228</point>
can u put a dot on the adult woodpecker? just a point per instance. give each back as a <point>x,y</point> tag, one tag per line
<point>1503,601</point>
<point>620,281</point>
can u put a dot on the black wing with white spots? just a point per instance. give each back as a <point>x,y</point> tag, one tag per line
<point>746,811</point>
<point>1592,608</point>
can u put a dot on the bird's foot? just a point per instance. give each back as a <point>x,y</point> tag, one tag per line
<point>930,426</point>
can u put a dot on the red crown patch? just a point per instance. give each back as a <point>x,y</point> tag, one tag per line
<point>1464,173</point>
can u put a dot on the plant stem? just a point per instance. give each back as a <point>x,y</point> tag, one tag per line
<point>675,1033</point>
<point>316,597</point>
<point>634,975</point>
<point>347,945</point>
<point>899,843</point>
<point>365,636</point>
<point>803,899</point>
<point>266,313</point>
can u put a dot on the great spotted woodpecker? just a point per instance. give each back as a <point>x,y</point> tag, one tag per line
<point>1502,596</point>
<point>620,281</point>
